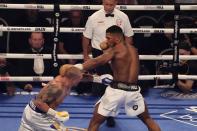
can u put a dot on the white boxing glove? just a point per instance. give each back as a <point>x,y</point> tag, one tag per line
<point>43,84</point>
<point>62,116</point>
<point>79,66</point>
<point>104,79</point>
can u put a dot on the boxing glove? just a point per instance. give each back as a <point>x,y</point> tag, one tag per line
<point>104,79</point>
<point>104,45</point>
<point>62,116</point>
<point>79,66</point>
<point>43,84</point>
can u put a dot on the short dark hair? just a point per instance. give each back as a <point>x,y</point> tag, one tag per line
<point>114,29</point>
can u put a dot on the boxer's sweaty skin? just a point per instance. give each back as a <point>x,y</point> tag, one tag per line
<point>53,93</point>
<point>125,66</point>
<point>119,54</point>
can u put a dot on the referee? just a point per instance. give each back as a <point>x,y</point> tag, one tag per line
<point>95,31</point>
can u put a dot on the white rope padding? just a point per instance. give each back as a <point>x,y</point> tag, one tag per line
<point>95,7</point>
<point>79,56</point>
<point>80,30</point>
<point>166,77</point>
<point>48,78</point>
<point>25,78</point>
<point>86,7</point>
<point>44,56</point>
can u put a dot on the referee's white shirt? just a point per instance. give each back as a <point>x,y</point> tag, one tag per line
<point>97,24</point>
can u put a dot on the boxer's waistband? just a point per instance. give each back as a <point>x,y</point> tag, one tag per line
<point>124,86</point>
<point>33,107</point>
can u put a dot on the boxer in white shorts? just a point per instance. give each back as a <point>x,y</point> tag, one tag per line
<point>40,114</point>
<point>123,90</point>
<point>34,119</point>
<point>113,99</point>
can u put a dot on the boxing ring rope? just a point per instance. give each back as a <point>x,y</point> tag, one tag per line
<point>48,78</point>
<point>79,30</point>
<point>96,7</point>
<point>78,56</point>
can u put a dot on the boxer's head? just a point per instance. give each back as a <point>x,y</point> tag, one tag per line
<point>71,73</point>
<point>114,35</point>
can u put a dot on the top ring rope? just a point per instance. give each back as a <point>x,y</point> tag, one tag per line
<point>48,78</point>
<point>79,56</point>
<point>95,7</point>
<point>85,7</point>
<point>80,30</point>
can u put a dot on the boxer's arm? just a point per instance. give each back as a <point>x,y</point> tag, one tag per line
<point>41,105</point>
<point>47,95</point>
<point>103,79</point>
<point>98,61</point>
<point>87,77</point>
<point>95,62</point>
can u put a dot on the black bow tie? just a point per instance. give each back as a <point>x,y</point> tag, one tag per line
<point>109,15</point>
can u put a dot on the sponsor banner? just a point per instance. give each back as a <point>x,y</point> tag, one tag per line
<point>141,31</point>
<point>154,7</point>
<point>20,29</point>
<point>86,7</point>
<point>77,29</point>
<point>37,78</point>
<point>34,6</point>
<point>123,7</point>
<point>3,6</point>
<point>40,29</point>
<point>4,79</point>
<point>27,29</point>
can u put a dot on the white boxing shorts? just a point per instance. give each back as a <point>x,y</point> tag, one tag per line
<point>35,120</point>
<point>113,99</point>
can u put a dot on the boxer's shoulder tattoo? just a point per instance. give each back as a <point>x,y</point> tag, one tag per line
<point>51,93</point>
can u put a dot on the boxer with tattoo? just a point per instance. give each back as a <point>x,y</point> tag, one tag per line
<point>40,114</point>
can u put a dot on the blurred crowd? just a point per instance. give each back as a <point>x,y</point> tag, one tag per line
<point>71,43</point>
